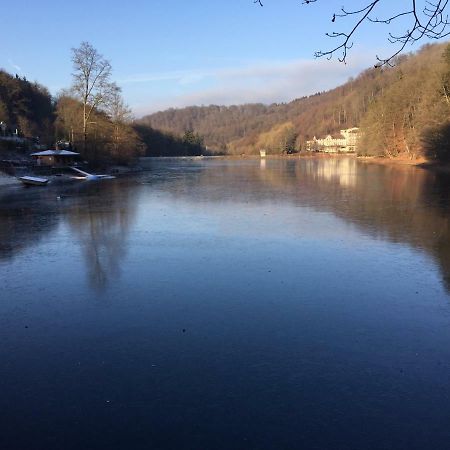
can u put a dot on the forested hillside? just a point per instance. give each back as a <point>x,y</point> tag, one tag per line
<point>26,106</point>
<point>32,115</point>
<point>402,110</point>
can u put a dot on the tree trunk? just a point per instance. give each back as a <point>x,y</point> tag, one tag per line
<point>84,129</point>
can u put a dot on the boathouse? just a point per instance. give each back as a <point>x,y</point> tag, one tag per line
<point>55,158</point>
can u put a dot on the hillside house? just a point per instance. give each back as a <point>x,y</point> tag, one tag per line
<point>344,142</point>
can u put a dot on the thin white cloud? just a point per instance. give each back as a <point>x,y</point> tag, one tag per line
<point>265,82</point>
<point>180,76</point>
<point>15,66</point>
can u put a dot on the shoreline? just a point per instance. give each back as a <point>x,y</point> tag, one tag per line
<point>421,163</point>
<point>8,180</point>
<point>399,160</point>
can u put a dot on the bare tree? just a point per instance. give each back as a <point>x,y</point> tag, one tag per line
<point>91,81</point>
<point>121,117</point>
<point>118,111</point>
<point>430,20</point>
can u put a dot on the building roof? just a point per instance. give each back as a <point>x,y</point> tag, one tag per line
<point>55,153</point>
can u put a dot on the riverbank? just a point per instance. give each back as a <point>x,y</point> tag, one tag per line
<point>421,162</point>
<point>7,180</point>
<point>398,160</point>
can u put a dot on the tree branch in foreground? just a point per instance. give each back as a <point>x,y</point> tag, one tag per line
<point>431,21</point>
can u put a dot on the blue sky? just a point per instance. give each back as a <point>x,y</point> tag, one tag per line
<point>178,52</point>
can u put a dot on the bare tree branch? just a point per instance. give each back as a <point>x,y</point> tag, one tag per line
<point>431,21</point>
<point>91,81</point>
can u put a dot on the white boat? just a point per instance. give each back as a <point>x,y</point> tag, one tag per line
<point>33,181</point>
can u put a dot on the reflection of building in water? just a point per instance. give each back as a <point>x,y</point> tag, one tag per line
<point>342,170</point>
<point>344,142</point>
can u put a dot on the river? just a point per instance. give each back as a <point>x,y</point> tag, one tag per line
<point>228,304</point>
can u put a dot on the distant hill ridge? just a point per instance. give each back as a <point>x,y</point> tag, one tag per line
<point>401,110</point>
<point>390,104</point>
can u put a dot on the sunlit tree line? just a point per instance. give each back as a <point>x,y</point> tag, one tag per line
<point>412,109</point>
<point>402,110</point>
<point>91,114</point>
<point>24,106</point>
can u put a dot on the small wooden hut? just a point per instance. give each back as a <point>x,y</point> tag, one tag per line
<point>55,158</point>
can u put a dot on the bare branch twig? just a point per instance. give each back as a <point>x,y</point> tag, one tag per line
<point>430,22</point>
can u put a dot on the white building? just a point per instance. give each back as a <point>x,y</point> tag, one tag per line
<point>345,142</point>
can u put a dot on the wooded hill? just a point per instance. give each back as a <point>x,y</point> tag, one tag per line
<point>25,106</point>
<point>31,110</point>
<point>403,109</point>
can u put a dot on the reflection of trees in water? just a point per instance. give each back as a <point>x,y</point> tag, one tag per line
<point>99,213</point>
<point>101,223</point>
<point>398,203</point>
<point>395,202</point>
<point>25,220</point>
<point>438,194</point>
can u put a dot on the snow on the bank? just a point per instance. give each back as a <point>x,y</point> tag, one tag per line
<point>7,179</point>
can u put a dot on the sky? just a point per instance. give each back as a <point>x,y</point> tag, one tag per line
<point>174,53</point>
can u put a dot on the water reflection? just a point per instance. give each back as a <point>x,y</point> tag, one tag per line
<point>25,218</point>
<point>301,296</point>
<point>101,225</point>
<point>339,170</point>
<point>398,203</point>
<point>98,216</point>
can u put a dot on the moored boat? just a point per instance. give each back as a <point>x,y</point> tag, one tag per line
<point>33,181</point>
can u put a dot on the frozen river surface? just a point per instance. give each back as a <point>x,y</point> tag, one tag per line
<point>214,304</point>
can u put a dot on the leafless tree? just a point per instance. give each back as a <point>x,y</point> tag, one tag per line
<point>91,81</point>
<point>123,138</point>
<point>427,19</point>
<point>117,110</point>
